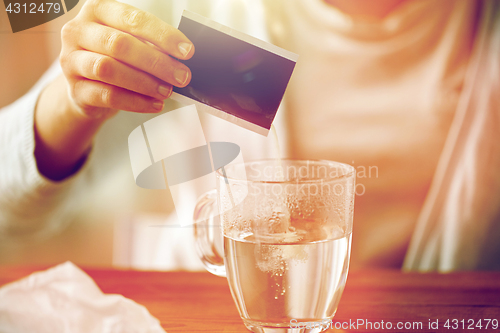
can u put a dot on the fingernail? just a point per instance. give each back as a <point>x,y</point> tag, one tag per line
<point>184,48</point>
<point>164,91</point>
<point>158,105</point>
<point>181,76</point>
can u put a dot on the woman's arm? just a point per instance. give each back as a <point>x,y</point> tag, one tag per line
<point>62,136</point>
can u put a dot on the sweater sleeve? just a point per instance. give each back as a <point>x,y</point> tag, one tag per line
<point>31,205</point>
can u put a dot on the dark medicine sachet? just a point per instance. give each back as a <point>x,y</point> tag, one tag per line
<point>235,76</point>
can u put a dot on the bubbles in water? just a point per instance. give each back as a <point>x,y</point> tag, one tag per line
<point>275,259</point>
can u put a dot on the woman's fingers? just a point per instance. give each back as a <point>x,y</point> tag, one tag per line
<point>115,56</point>
<point>98,67</point>
<point>143,25</point>
<point>133,52</point>
<point>92,96</point>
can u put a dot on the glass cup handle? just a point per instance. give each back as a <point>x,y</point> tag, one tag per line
<point>208,234</point>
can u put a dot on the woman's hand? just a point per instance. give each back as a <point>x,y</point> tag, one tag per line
<point>115,56</point>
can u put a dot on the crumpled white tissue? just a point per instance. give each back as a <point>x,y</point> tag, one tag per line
<point>65,299</point>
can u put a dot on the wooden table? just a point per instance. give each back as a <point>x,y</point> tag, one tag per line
<point>200,302</point>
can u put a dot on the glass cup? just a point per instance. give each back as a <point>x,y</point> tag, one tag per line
<point>283,240</point>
